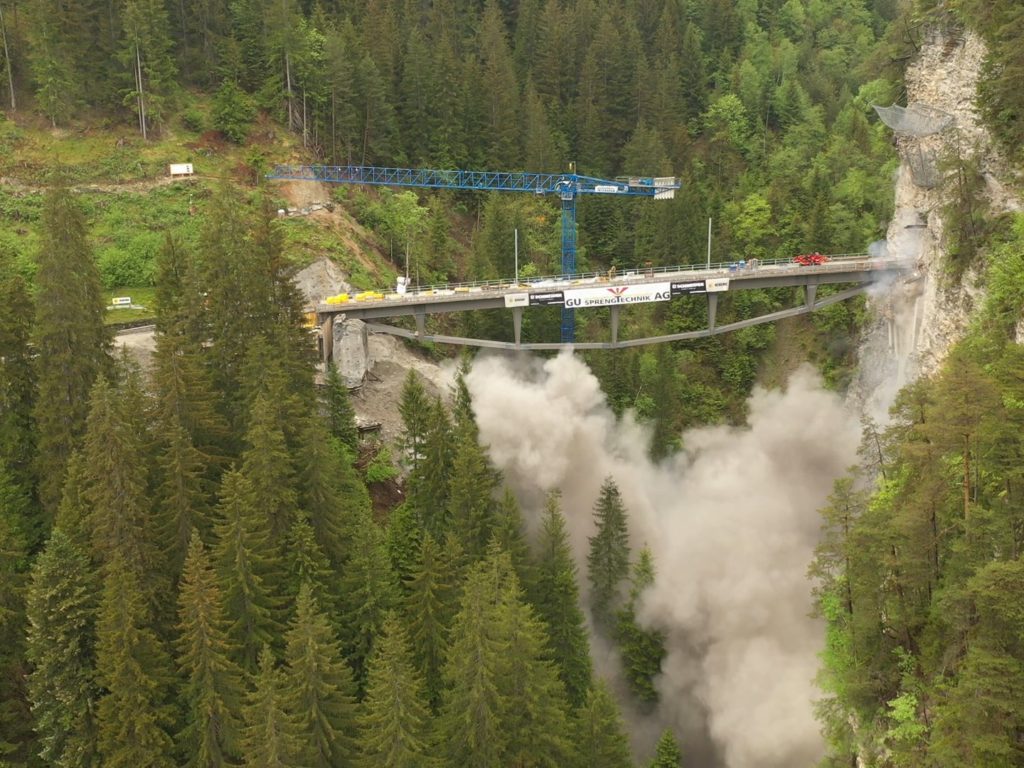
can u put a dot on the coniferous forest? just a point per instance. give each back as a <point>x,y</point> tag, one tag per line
<point>192,568</point>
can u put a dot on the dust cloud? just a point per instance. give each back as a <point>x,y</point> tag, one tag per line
<point>732,522</point>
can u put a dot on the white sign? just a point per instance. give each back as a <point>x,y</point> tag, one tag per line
<point>121,301</point>
<point>180,169</point>
<point>618,295</point>
<point>517,299</point>
<point>717,284</point>
<point>606,188</point>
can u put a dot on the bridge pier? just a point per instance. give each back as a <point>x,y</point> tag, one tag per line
<point>517,324</point>
<point>421,322</point>
<point>615,325</point>
<point>712,310</point>
<point>327,339</point>
<point>810,293</point>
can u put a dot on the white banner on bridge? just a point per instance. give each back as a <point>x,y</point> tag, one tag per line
<point>617,294</point>
<point>717,284</point>
<point>517,299</point>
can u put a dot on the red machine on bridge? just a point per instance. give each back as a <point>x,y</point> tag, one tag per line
<point>810,259</point>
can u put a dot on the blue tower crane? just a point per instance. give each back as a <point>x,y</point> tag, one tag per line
<point>566,185</point>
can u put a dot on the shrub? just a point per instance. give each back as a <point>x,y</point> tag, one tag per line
<point>232,112</point>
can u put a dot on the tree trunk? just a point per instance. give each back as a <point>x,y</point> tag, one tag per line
<point>142,96</point>
<point>7,59</point>
<point>288,90</point>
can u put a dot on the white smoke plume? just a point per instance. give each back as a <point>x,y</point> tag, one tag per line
<point>732,523</point>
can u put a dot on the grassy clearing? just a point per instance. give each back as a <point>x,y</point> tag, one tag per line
<point>143,305</point>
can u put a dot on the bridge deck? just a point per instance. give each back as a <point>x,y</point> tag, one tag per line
<point>613,292</point>
<point>551,290</point>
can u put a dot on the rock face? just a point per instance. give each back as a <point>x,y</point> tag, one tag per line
<point>321,279</point>
<point>351,351</point>
<point>919,319</point>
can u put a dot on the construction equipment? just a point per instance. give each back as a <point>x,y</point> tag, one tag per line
<point>810,259</point>
<point>566,185</point>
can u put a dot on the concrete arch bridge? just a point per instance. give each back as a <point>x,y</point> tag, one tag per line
<point>612,290</point>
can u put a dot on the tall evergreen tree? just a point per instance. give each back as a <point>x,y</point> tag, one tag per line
<point>116,484</point>
<point>414,409</point>
<point>608,559</point>
<point>212,695</point>
<point>471,501</point>
<point>395,722</point>
<point>667,754</point>
<point>16,737</point>
<point>267,466</point>
<point>62,610</point>
<point>430,606</point>
<point>245,564</point>
<point>369,589</point>
<point>69,326</point>
<point>147,51</point>
<point>431,474</point>
<point>272,737</point>
<point>599,736</point>
<point>321,691</point>
<point>557,602</point>
<point>182,496</point>
<point>642,649</point>
<point>134,716</point>
<point>341,419</point>
<point>17,388</point>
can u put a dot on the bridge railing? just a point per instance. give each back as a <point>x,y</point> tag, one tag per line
<point>836,263</point>
<point>542,281</point>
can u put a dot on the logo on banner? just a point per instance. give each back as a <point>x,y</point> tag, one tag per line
<point>517,299</point>
<point>685,289</point>
<point>618,295</point>
<point>546,299</point>
<point>717,284</point>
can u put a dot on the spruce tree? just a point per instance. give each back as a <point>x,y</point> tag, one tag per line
<point>16,736</point>
<point>471,501</point>
<point>308,565</point>
<point>17,387</point>
<point>667,754</point>
<point>73,511</point>
<point>329,489</point>
<point>471,728</point>
<point>341,419</point>
<point>415,411</point>
<point>369,589</point>
<point>599,736</point>
<point>534,706</point>
<point>212,695</point>
<point>429,607</point>
<point>642,649</point>
<point>116,485</point>
<point>608,559</point>
<point>62,610</point>
<point>431,475</point>
<point>320,688</point>
<point>509,533</point>
<point>69,327</point>
<point>133,717</point>
<point>245,563</point>
<point>272,737</point>
<point>147,51</point>
<point>182,496</point>
<point>395,724</point>
<point>556,597</point>
<point>267,466</point>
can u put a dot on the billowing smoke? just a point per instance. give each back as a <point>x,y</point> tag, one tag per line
<point>732,523</point>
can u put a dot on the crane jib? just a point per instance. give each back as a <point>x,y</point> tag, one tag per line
<point>562,184</point>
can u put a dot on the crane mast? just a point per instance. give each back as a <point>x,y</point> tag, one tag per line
<point>568,186</point>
